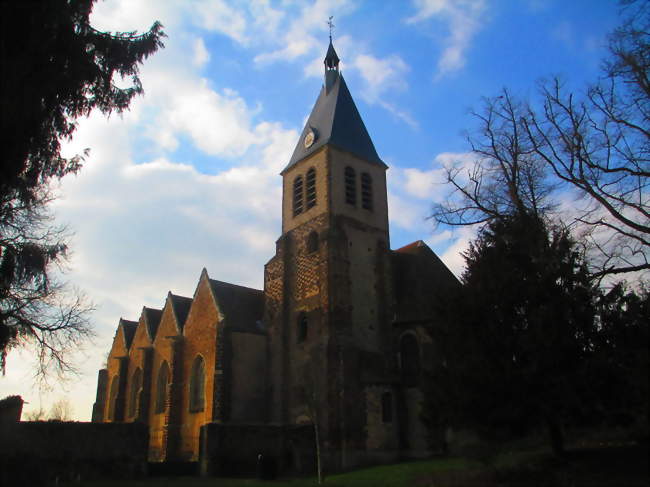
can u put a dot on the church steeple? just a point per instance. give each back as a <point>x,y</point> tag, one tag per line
<point>331,62</point>
<point>335,120</point>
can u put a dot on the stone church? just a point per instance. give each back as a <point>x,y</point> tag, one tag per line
<point>333,349</point>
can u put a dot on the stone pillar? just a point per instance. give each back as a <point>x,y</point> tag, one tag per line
<point>142,414</point>
<point>120,400</point>
<point>221,389</point>
<point>173,409</point>
<point>100,401</point>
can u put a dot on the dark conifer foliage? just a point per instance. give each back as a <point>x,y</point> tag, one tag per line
<point>520,330</point>
<point>620,360</point>
<point>56,68</point>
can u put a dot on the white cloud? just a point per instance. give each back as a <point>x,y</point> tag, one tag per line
<point>453,255</point>
<point>381,74</point>
<point>421,183</point>
<point>303,35</point>
<point>464,19</point>
<point>146,220</point>
<point>220,16</point>
<point>218,123</point>
<point>127,15</point>
<point>428,183</point>
<point>201,55</point>
<point>405,213</point>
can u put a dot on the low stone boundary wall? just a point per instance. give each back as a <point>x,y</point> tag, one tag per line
<point>45,452</point>
<point>232,449</point>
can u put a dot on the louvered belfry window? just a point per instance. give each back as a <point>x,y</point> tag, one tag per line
<point>366,191</point>
<point>298,197</point>
<point>350,186</point>
<point>311,188</point>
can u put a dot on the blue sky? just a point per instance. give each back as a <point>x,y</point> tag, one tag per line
<point>189,177</point>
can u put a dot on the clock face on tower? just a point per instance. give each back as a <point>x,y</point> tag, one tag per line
<point>309,139</point>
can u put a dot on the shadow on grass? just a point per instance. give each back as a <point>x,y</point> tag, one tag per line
<point>619,466</point>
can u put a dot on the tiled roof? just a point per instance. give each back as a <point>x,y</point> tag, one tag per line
<point>421,282</point>
<point>181,307</point>
<point>128,328</point>
<point>242,307</point>
<point>152,320</point>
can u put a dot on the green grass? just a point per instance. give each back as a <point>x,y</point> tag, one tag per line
<point>401,474</point>
<point>616,466</point>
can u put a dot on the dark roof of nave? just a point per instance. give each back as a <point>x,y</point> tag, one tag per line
<point>335,120</point>
<point>181,307</point>
<point>129,328</point>
<point>152,320</point>
<point>420,280</point>
<point>242,307</point>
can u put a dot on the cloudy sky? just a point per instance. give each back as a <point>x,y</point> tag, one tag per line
<point>189,177</point>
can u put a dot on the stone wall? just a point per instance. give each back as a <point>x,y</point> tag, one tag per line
<point>11,409</point>
<point>38,453</point>
<point>228,449</point>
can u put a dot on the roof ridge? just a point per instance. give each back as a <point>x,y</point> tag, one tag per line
<point>217,281</point>
<point>416,243</point>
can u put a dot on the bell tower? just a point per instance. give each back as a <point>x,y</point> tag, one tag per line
<point>347,176</point>
<point>327,287</point>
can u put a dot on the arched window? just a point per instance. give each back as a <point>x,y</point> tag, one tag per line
<point>161,388</point>
<point>350,186</point>
<point>409,351</point>
<point>197,385</point>
<point>297,196</point>
<point>312,242</point>
<point>387,407</point>
<point>310,184</point>
<point>303,327</point>
<point>366,191</point>
<point>134,392</point>
<point>112,398</point>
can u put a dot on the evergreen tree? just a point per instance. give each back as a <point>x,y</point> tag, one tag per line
<point>56,68</point>
<point>518,335</point>
<point>620,360</point>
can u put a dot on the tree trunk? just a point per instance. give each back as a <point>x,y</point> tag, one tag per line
<point>555,435</point>
<point>318,463</point>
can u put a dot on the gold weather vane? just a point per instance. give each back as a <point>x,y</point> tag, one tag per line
<point>331,25</point>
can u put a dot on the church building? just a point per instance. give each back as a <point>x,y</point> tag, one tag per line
<point>334,348</point>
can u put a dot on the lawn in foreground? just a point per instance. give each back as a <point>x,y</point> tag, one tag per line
<point>615,466</point>
<point>401,474</point>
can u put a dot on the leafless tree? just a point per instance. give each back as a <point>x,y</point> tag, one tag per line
<point>506,175</point>
<point>312,399</point>
<point>594,148</point>
<point>61,411</point>
<point>36,310</point>
<point>599,145</point>
<point>36,415</point>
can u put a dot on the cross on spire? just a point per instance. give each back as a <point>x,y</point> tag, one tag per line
<point>331,26</point>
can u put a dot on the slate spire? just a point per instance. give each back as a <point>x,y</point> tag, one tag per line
<point>335,120</point>
<point>331,62</point>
